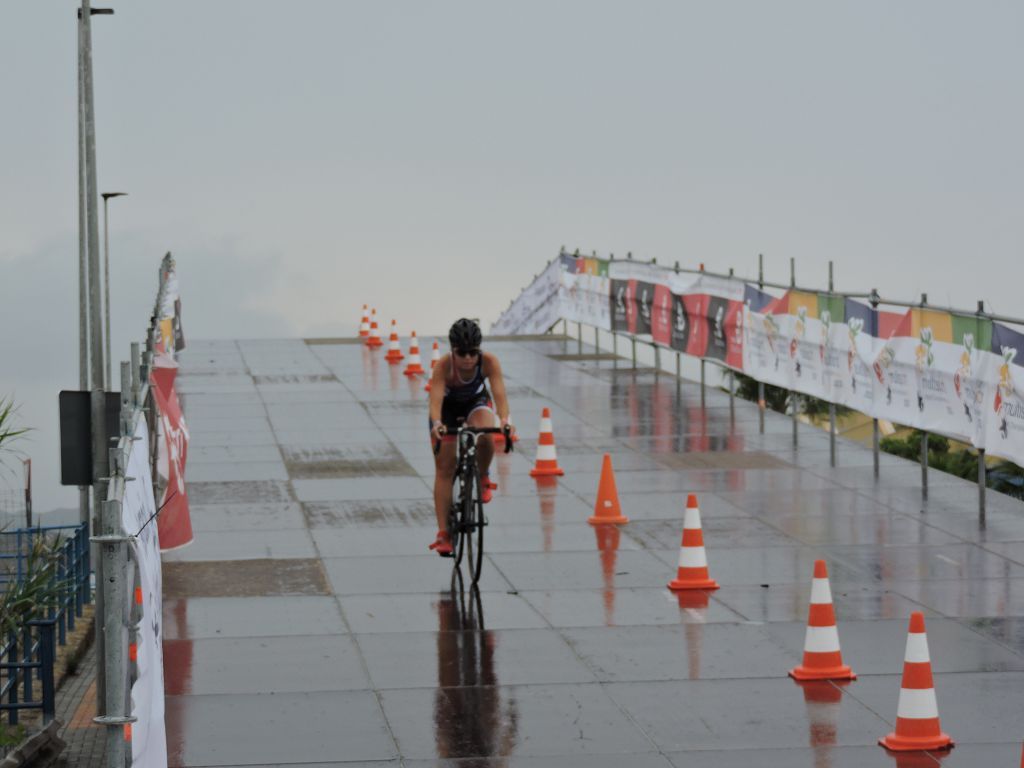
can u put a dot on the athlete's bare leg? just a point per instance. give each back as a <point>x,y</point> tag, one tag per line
<point>444,462</point>
<point>483,417</point>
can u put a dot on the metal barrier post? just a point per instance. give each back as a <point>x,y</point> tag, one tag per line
<point>12,691</point>
<point>761,404</point>
<point>597,341</point>
<point>874,421</point>
<point>794,402</point>
<point>732,395</point>
<point>702,381</point>
<point>112,548</point>
<point>924,464</point>
<point>831,405</point>
<point>47,657</point>
<point>982,483</point>
<point>632,340</point>
<point>579,338</point>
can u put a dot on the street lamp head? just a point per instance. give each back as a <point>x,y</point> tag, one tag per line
<point>108,195</point>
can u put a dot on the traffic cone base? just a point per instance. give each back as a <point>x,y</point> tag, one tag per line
<point>693,561</point>
<point>917,714</point>
<point>606,508</point>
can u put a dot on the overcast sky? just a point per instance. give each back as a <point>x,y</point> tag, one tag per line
<point>302,158</point>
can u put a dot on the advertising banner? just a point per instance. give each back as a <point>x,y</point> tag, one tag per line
<point>149,739</point>
<point>948,374</point>
<point>537,308</point>
<point>175,521</point>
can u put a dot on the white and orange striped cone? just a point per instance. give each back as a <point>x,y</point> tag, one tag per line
<point>415,367</point>
<point>373,340</point>
<point>364,325</point>
<point>917,715</point>
<point>606,506</point>
<point>435,355</point>
<point>693,560</point>
<point>394,354</point>
<point>546,463</point>
<point>823,659</point>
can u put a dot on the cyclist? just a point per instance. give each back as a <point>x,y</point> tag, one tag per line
<point>458,391</point>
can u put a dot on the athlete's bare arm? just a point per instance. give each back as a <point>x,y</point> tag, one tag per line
<point>437,387</point>
<point>492,370</point>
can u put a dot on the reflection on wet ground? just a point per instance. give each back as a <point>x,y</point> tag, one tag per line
<point>308,624</point>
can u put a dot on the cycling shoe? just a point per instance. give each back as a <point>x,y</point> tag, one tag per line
<point>442,544</point>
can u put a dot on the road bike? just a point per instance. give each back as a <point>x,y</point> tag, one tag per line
<point>466,519</point>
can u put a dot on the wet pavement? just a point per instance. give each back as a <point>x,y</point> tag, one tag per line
<point>308,623</point>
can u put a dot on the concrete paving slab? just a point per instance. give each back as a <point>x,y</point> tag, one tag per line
<point>229,471</point>
<point>277,516</point>
<point>470,657</point>
<point>263,665</point>
<point>370,513</point>
<point>635,607</point>
<point>359,489</point>
<point>739,715</point>
<point>789,602</point>
<point>528,720</point>
<point>266,544</point>
<point>201,617</point>
<point>239,492</point>
<point>390,575</point>
<point>580,570</point>
<point>277,729</point>
<point>367,614</point>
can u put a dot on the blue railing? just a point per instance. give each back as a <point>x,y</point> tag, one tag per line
<point>30,651</point>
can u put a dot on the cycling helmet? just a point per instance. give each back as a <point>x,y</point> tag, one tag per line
<point>465,334</point>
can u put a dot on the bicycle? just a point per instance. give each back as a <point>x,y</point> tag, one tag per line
<point>466,518</point>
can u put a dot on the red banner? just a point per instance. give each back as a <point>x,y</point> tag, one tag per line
<point>174,522</point>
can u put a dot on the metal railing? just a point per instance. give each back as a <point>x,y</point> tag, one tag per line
<point>873,299</point>
<point>30,650</point>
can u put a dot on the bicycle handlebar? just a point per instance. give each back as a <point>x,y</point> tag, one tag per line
<point>506,430</point>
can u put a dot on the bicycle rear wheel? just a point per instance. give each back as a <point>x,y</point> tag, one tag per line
<point>456,520</point>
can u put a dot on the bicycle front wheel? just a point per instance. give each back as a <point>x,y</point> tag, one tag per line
<point>475,528</point>
<point>456,520</point>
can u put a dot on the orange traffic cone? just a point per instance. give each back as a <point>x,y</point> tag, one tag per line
<point>606,508</point>
<point>415,367</point>
<point>435,355</point>
<point>917,714</point>
<point>394,354</point>
<point>373,340</point>
<point>364,326</point>
<point>693,560</point>
<point>822,657</point>
<point>546,463</point>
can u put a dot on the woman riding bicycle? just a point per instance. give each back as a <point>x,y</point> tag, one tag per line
<point>458,392</point>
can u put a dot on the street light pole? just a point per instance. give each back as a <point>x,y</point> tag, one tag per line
<point>106,272</point>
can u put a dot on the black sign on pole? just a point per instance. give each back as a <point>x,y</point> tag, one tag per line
<point>76,434</point>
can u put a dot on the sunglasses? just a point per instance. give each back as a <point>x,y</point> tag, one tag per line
<point>467,352</point>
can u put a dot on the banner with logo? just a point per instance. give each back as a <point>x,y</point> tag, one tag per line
<point>948,374</point>
<point>175,521</point>
<point>149,739</point>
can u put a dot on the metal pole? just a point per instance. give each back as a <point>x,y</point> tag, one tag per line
<point>794,401</point>
<point>579,338</point>
<point>657,357</point>
<point>874,421</point>
<point>924,464</point>
<point>597,341</point>
<point>831,405</point>
<point>982,483</point>
<point>924,437</point>
<point>106,282</point>
<point>760,385</point>
<point>99,438</point>
<point>732,395</point>
<point>83,250</point>
<point>632,340</point>
<point>136,373</point>
<point>114,663</point>
<point>702,381</point>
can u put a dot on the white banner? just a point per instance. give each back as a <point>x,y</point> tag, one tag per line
<point>887,365</point>
<point>537,308</point>
<point>138,516</point>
